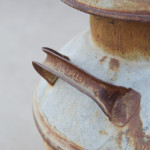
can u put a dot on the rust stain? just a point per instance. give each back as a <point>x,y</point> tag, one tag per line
<point>103,59</point>
<point>134,133</point>
<point>52,133</point>
<point>138,139</point>
<point>103,132</point>
<point>119,140</point>
<point>50,147</point>
<point>114,77</point>
<point>97,114</point>
<point>114,64</point>
<point>49,86</point>
<point>126,39</point>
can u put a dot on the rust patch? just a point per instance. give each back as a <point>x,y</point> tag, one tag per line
<point>103,59</point>
<point>50,147</point>
<point>48,87</point>
<point>129,40</point>
<point>119,140</point>
<point>102,132</point>
<point>135,134</point>
<point>96,114</point>
<point>114,77</point>
<point>137,137</point>
<point>114,64</point>
<point>124,106</point>
<point>50,136</point>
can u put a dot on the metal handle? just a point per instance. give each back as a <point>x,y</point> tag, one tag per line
<point>118,103</point>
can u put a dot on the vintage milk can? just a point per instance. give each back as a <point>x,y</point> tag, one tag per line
<point>95,93</point>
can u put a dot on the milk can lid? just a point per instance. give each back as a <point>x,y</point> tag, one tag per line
<point>134,10</point>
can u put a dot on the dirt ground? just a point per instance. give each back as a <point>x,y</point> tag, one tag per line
<point>25,27</point>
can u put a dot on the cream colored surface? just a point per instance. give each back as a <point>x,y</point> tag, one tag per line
<point>25,27</point>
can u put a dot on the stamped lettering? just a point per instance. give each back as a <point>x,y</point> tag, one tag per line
<point>70,73</point>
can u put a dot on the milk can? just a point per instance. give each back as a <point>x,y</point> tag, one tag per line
<point>95,93</point>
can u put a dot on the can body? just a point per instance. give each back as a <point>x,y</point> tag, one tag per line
<point>69,120</point>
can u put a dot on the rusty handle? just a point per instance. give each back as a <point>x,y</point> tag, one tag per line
<point>118,103</point>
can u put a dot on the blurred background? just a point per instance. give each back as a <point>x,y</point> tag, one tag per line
<point>25,27</point>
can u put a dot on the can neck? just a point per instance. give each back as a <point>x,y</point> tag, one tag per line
<point>126,39</point>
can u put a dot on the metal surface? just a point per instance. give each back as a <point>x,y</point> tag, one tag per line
<point>78,119</point>
<point>68,119</point>
<point>135,10</point>
<point>50,77</point>
<point>126,39</point>
<point>57,141</point>
<point>118,103</point>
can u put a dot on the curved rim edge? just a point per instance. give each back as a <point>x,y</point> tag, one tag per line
<point>50,135</point>
<point>107,13</point>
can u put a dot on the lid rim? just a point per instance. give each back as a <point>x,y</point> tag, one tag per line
<point>107,13</point>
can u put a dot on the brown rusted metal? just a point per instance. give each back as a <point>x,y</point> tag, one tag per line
<point>129,40</point>
<point>50,78</point>
<point>114,64</point>
<point>136,10</point>
<point>50,136</point>
<point>135,134</point>
<point>47,146</point>
<point>138,139</point>
<point>55,52</point>
<point>118,103</point>
<point>103,59</point>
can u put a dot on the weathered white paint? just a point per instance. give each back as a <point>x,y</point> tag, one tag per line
<point>77,117</point>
